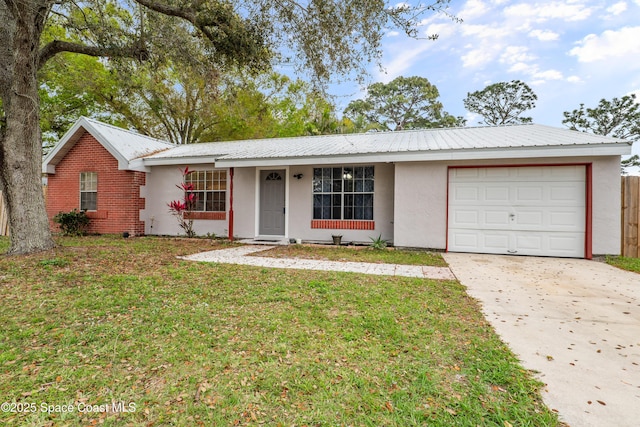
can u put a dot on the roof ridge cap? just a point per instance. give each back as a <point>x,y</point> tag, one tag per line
<point>132,132</point>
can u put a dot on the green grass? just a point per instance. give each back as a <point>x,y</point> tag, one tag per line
<point>102,319</point>
<point>356,254</point>
<point>631,264</point>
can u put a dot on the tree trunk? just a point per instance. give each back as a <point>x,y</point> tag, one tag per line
<point>21,147</point>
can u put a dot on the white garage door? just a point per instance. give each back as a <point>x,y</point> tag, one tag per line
<point>538,210</point>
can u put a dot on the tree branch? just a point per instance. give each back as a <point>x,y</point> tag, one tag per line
<point>137,50</point>
<point>188,14</point>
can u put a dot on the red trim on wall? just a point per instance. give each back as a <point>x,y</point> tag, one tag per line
<point>588,232</point>
<point>335,224</point>
<point>231,170</point>
<point>446,230</point>
<point>517,165</point>
<point>205,215</point>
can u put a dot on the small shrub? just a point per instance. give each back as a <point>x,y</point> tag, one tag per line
<point>378,243</point>
<point>72,223</point>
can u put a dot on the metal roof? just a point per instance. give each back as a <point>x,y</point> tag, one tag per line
<point>428,144</point>
<point>138,152</point>
<point>126,146</point>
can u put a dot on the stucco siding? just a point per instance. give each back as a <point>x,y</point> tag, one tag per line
<point>301,207</point>
<point>244,202</point>
<point>160,189</point>
<point>421,205</point>
<point>606,206</point>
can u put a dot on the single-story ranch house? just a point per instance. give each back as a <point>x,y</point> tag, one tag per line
<point>524,189</point>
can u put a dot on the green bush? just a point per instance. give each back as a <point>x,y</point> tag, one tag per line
<point>378,243</point>
<point>72,223</point>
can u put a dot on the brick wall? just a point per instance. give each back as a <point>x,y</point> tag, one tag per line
<point>118,199</point>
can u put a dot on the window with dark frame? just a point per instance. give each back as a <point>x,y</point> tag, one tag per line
<point>343,193</point>
<point>210,188</point>
<point>88,191</point>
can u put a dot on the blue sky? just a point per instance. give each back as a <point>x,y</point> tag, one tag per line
<point>569,52</point>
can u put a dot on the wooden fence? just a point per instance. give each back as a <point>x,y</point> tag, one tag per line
<point>630,216</point>
<point>4,219</point>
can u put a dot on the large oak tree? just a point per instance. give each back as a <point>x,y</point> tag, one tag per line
<point>326,37</point>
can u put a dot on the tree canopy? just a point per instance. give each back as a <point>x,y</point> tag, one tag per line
<point>619,117</point>
<point>502,103</point>
<point>325,37</point>
<point>403,103</point>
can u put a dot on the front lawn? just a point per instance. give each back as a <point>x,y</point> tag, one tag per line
<point>356,254</point>
<point>631,264</point>
<point>102,320</point>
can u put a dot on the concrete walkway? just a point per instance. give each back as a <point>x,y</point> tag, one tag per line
<point>242,255</point>
<point>576,322</point>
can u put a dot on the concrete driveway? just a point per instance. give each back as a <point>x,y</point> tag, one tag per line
<point>575,322</point>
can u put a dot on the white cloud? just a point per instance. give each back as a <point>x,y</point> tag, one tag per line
<point>393,33</point>
<point>521,67</point>
<point>544,11</point>
<point>617,8</point>
<point>610,44</point>
<point>403,59</point>
<point>484,44</point>
<point>575,79</point>
<point>544,35</point>
<point>477,57</point>
<point>480,32</point>
<point>548,75</point>
<point>516,54</point>
<point>472,9</point>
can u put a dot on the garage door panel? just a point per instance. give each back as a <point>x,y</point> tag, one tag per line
<point>465,173</point>
<point>469,240</point>
<point>495,174</point>
<point>568,219</point>
<point>529,193</point>
<point>496,218</point>
<point>466,193</point>
<point>566,173</point>
<point>529,218</point>
<point>565,243</point>
<point>465,218</point>
<point>568,193</point>
<point>530,243</point>
<point>496,241</point>
<point>542,244</point>
<point>524,210</point>
<point>537,173</point>
<point>496,193</point>
<point>466,239</point>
